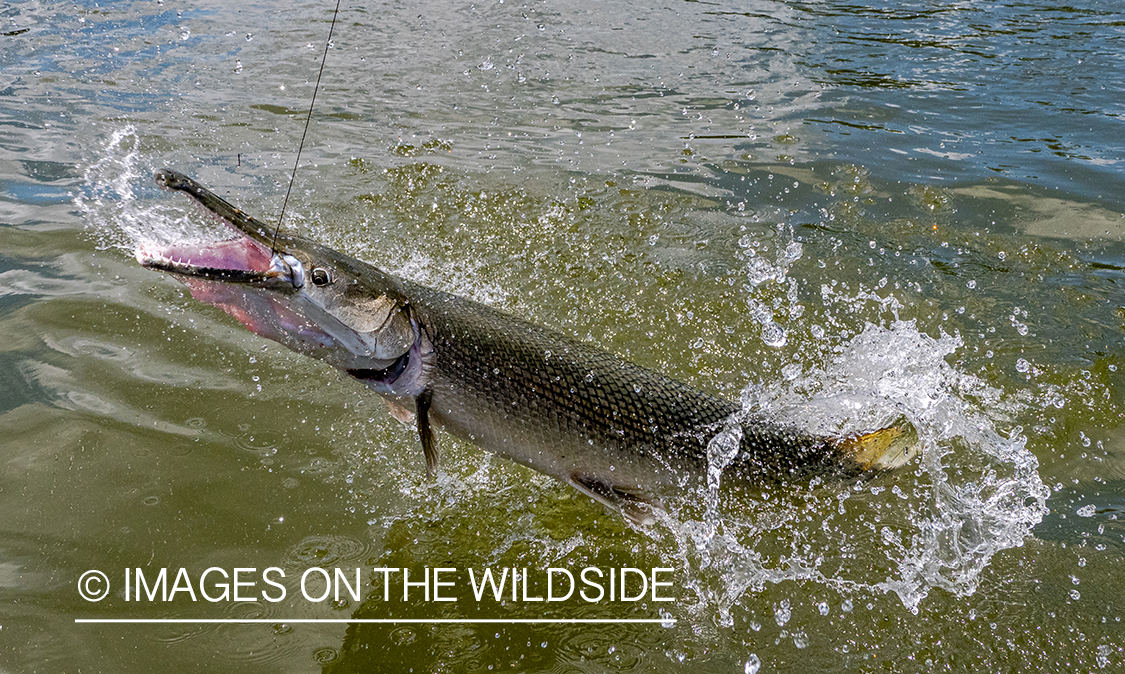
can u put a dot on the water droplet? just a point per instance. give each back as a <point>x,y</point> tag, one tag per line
<point>773,334</point>
<point>753,664</point>
<point>1104,651</point>
<point>1086,511</point>
<point>782,613</point>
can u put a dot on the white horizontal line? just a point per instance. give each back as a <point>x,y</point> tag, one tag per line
<point>380,621</point>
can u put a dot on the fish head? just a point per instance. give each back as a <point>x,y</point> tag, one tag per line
<point>308,297</point>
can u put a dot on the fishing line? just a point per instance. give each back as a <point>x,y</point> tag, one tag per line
<point>304,133</point>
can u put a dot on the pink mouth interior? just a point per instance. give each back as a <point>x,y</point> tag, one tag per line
<point>271,315</point>
<point>242,254</point>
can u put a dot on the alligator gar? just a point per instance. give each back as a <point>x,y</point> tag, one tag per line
<point>624,435</point>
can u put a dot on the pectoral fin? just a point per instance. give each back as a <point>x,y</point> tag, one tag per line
<point>398,411</point>
<point>425,431</point>
<point>636,506</point>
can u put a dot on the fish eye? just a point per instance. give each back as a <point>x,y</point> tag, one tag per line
<point>321,277</point>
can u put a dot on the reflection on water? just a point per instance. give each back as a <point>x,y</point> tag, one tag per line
<point>840,215</point>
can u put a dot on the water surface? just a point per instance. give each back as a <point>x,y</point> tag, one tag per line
<point>836,213</point>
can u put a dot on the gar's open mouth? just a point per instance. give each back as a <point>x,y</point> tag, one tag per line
<point>241,259</point>
<point>238,260</point>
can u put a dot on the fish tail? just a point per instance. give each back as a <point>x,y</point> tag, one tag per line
<point>884,449</point>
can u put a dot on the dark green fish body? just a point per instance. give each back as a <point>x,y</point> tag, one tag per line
<point>571,410</point>
<point>624,435</point>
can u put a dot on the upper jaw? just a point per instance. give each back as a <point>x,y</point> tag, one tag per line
<point>233,217</point>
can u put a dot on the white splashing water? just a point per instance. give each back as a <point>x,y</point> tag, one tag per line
<point>119,218</point>
<point>935,523</point>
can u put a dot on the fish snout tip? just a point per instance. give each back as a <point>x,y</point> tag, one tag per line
<point>168,179</point>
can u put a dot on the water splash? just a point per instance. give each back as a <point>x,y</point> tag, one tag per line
<point>760,271</point>
<point>935,523</point>
<point>119,217</point>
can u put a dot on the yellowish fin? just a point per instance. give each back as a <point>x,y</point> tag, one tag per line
<point>399,412</point>
<point>884,449</point>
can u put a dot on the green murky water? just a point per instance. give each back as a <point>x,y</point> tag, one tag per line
<point>835,213</point>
